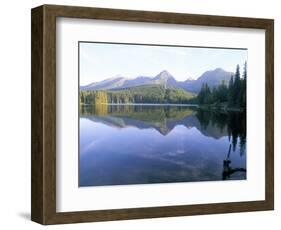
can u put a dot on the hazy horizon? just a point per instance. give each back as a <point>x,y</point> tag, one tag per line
<point>101,61</point>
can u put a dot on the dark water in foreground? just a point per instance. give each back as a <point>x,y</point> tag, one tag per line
<point>130,144</point>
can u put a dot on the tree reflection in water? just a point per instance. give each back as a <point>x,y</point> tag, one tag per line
<point>234,122</point>
<point>165,118</point>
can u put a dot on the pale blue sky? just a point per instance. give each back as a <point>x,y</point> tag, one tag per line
<point>100,61</point>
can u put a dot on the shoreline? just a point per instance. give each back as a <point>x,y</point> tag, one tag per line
<point>203,107</point>
<point>144,104</point>
<point>221,108</point>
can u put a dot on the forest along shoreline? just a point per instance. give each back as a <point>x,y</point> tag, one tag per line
<point>225,98</point>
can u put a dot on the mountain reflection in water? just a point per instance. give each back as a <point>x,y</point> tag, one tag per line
<point>139,144</point>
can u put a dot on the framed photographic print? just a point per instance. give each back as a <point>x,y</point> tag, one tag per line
<point>139,114</point>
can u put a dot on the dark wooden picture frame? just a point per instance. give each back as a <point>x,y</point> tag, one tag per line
<point>43,170</point>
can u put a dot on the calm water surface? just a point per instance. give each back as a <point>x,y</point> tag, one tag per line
<point>139,144</point>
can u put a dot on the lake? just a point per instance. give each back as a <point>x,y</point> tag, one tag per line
<point>143,144</point>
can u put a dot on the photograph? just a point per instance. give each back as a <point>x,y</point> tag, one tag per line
<point>151,114</point>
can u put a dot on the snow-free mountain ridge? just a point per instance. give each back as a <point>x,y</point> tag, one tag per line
<point>212,78</point>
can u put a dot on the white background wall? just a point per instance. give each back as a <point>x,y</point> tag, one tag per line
<point>15,113</point>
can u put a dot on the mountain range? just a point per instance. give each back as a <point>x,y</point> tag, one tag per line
<point>212,78</point>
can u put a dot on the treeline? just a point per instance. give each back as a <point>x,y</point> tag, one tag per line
<point>233,95</point>
<point>141,94</point>
<point>90,97</point>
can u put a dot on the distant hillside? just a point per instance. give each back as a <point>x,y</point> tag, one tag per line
<point>164,78</point>
<point>138,94</point>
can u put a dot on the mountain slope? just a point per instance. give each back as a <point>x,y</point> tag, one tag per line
<point>149,94</point>
<point>117,82</point>
<point>212,78</point>
<point>105,84</point>
<point>164,78</point>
